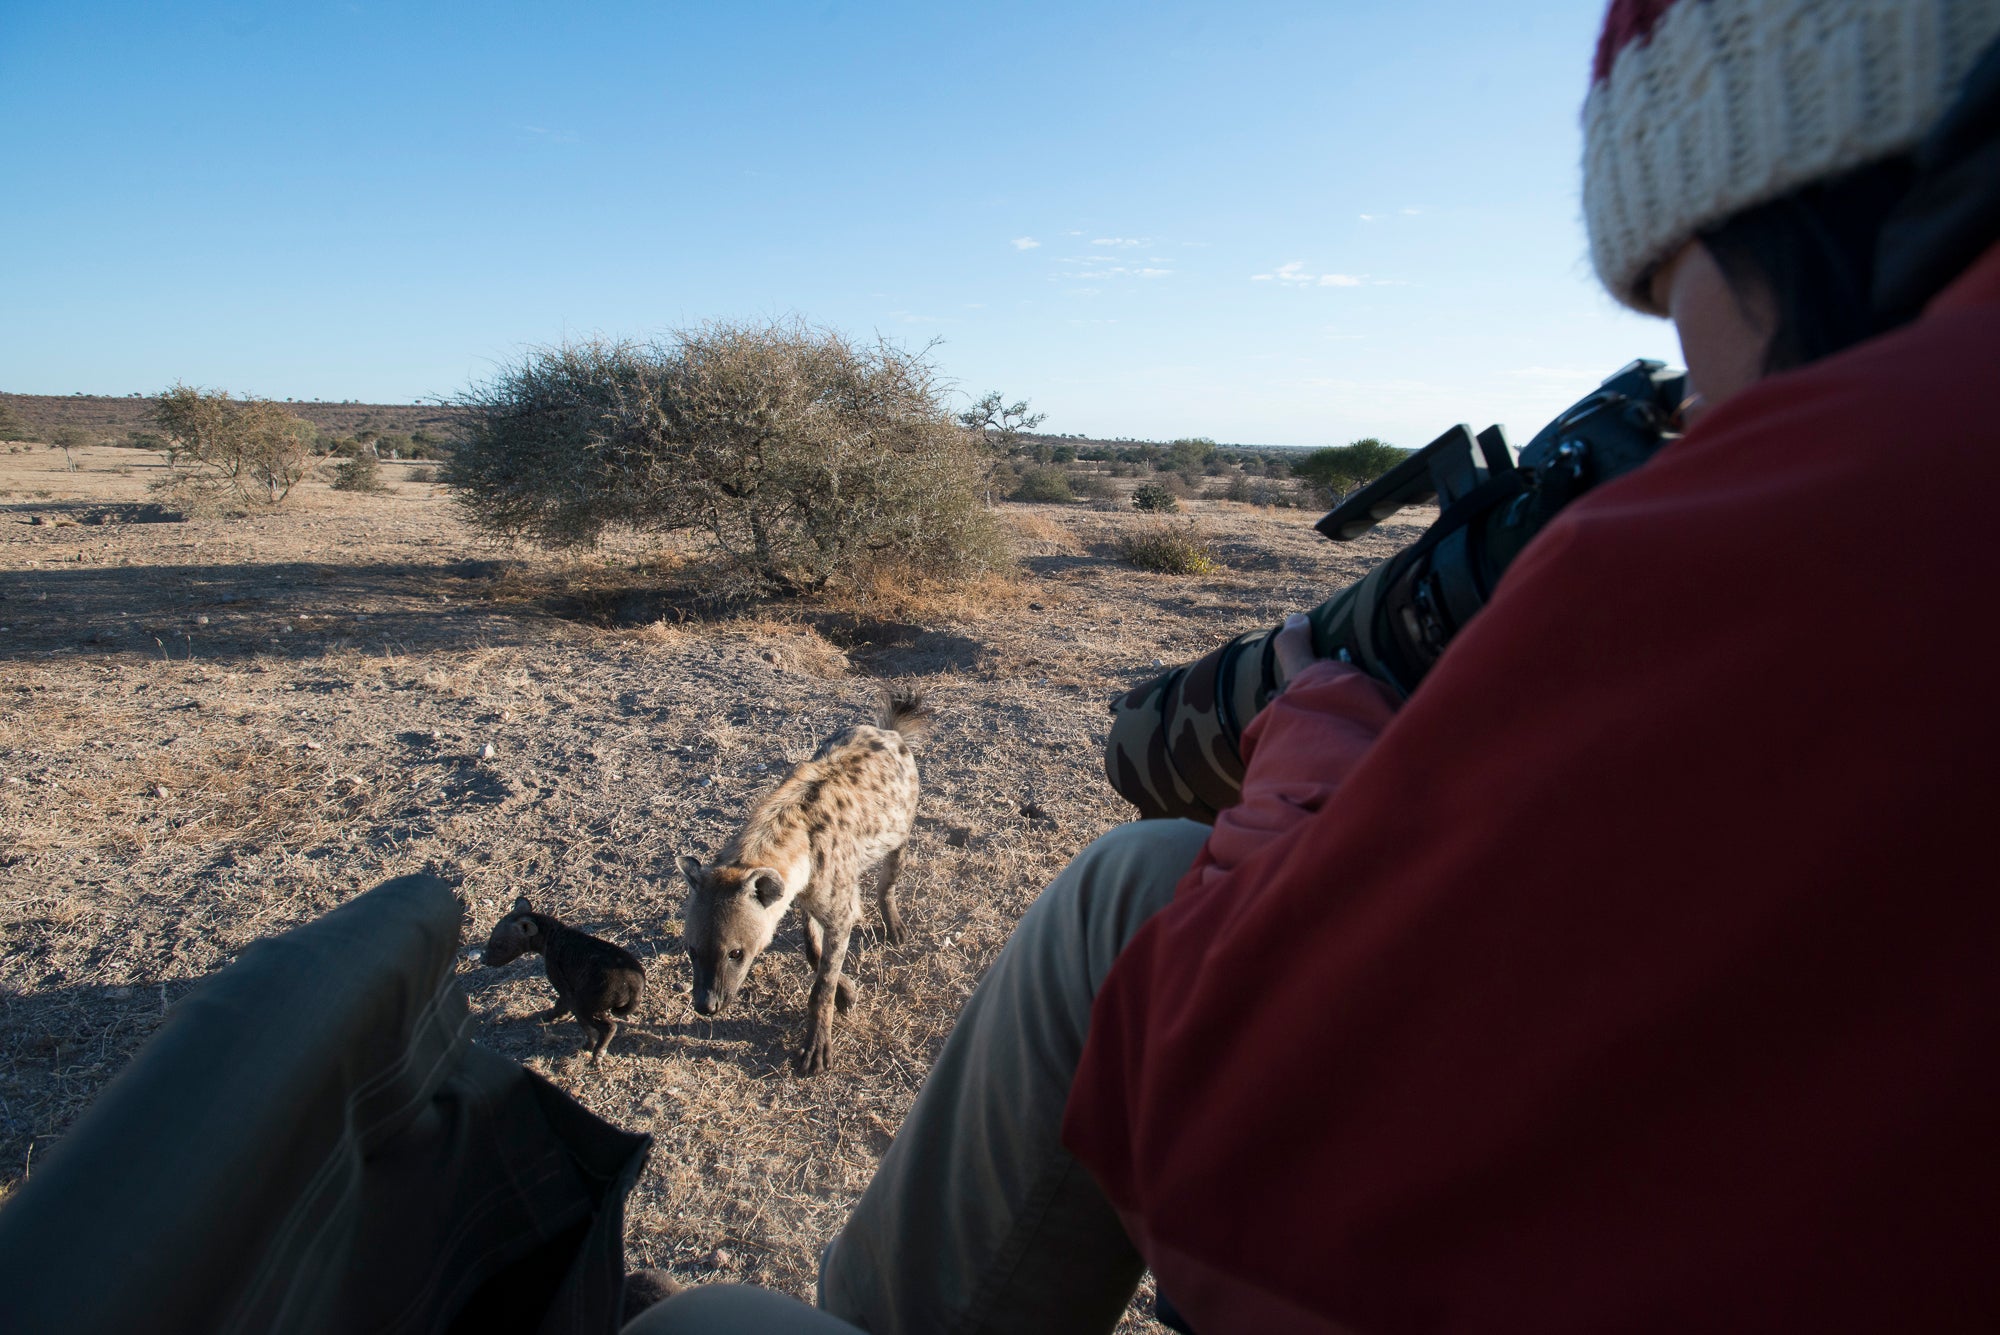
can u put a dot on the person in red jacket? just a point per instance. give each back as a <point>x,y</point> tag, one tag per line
<point>1639,973</point>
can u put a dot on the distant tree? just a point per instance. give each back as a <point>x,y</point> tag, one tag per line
<point>69,439</point>
<point>1001,423</point>
<point>360,472</point>
<point>1190,454</point>
<point>11,425</point>
<point>248,450</point>
<point>1089,485</point>
<point>1339,469</point>
<point>1044,483</point>
<point>1155,498</point>
<point>427,445</point>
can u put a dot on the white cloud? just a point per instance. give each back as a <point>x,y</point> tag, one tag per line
<point>1293,271</point>
<point>1410,210</point>
<point>1025,243</point>
<point>1369,217</point>
<point>1295,274</point>
<point>1101,270</point>
<point>1556,375</point>
<point>1119,241</point>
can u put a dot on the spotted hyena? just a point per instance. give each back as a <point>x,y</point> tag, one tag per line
<point>847,809</point>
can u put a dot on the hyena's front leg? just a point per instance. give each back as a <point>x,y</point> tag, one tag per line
<point>844,997</point>
<point>817,1054</point>
<point>885,897</point>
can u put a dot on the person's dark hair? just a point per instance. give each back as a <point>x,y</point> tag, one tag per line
<point>1809,258</point>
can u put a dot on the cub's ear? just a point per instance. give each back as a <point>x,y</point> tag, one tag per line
<point>766,885</point>
<point>521,905</point>
<point>691,868</point>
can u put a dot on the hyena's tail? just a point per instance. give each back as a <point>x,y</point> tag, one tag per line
<point>904,711</point>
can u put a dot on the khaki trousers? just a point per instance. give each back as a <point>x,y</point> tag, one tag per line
<point>978,1220</point>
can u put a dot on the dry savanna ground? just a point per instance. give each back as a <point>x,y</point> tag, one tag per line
<point>217,728</point>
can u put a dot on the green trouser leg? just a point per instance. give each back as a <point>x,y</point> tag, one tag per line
<point>311,1144</point>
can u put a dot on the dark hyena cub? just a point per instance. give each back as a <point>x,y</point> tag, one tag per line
<point>848,808</point>
<point>594,979</point>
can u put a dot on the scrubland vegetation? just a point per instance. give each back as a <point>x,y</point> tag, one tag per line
<point>225,719</point>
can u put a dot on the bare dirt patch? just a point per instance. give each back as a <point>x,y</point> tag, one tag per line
<point>216,729</point>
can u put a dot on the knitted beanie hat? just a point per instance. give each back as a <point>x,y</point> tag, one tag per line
<point>1699,109</point>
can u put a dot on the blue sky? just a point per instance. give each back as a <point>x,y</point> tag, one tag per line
<point>1276,223</point>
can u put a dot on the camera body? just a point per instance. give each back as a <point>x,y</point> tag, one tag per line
<point>1175,741</point>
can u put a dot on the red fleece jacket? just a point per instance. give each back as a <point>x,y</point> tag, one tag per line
<point>1644,973</point>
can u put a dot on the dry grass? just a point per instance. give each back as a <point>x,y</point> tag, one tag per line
<point>1040,534</point>
<point>313,689</point>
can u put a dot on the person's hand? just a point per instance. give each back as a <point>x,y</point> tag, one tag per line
<point>1294,646</point>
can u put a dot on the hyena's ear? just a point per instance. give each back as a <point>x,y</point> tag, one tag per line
<point>766,885</point>
<point>691,868</point>
<point>521,905</point>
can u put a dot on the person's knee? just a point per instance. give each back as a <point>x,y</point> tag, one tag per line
<point>1141,860</point>
<point>1149,844</point>
<point>1110,888</point>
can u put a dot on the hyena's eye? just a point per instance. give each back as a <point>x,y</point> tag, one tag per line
<point>736,954</point>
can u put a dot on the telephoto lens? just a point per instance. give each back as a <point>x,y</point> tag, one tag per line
<point>1175,746</point>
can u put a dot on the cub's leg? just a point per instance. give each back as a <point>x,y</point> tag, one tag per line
<point>555,1012</point>
<point>601,1028</point>
<point>885,897</point>
<point>844,998</point>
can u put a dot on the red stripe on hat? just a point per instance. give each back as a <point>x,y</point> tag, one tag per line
<point>1627,21</point>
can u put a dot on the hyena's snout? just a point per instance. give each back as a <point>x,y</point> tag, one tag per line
<point>712,992</point>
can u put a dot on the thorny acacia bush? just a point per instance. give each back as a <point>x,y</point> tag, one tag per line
<point>802,457</point>
<point>1170,549</point>
<point>224,449</point>
<point>1044,484</point>
<point>361,472</point>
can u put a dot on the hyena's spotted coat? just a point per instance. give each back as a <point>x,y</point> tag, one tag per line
<point>847,809</point>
